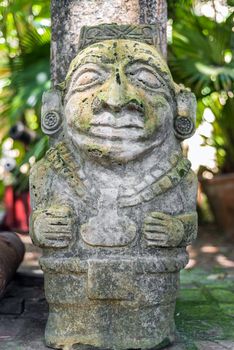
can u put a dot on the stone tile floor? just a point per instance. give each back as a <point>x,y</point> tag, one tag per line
<point>204,312</point>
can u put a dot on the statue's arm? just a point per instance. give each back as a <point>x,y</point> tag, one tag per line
<point>190,225</point>
<point>52,227</point>
<point>189,218</point>
<point>51,220</point>
<point>164,230</point>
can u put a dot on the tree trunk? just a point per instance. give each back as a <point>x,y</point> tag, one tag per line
<point>68,16</point>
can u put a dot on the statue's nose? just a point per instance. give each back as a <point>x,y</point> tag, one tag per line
<point>116,95</point>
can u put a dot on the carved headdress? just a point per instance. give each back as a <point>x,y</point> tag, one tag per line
<point>148,34</point>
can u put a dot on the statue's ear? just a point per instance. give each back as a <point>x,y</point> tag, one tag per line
<point>185,119</point>
<point>51,112</point>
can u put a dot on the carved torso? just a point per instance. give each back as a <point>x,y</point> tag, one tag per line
<point>110,205</point>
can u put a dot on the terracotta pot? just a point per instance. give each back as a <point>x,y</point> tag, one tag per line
<point>220,194</point>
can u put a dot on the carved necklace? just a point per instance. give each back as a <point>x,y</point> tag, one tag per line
<point>65,165</point>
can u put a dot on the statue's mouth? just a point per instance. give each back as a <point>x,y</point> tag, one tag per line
<point>122,125</point>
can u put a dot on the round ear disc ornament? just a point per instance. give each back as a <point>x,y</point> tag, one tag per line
<point>184,127</point>
<point>51,122</point>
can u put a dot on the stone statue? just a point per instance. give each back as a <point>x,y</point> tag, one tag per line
<point>114,199</point>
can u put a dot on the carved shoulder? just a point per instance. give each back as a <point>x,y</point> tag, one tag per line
<point>189,190</point>
<point>41,179</point>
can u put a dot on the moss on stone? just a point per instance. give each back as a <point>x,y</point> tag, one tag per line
<point>121,49</point>
<point>97,150</point>
<point>204,312</point>
<point>84,122</point>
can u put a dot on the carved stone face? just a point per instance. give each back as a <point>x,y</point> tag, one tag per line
<point>119,100</point>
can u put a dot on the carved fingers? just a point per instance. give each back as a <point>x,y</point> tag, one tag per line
<point>52,227</point>
<point>162,230</point>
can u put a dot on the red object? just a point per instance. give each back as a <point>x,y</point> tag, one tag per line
<point>17,210</point>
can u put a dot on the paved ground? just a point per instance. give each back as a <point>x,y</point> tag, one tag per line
<point>204,312</point>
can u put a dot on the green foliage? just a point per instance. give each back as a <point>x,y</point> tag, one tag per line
<point>172,6</point>
<point>199,52</point>
<point>24,74</point>
<point>223,133</point>
<point>201,57</point>
<point>25,60</point>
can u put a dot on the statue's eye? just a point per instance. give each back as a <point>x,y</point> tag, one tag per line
<point>88,78</point>
<point>145,77</point>
<point>84,78</point>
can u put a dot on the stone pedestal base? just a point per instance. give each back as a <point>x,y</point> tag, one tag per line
<point>110,326</point>
<point>112,303</point>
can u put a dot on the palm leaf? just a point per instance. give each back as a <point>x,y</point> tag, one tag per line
<point>197,53</point>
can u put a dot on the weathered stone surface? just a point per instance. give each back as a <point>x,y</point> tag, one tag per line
<point>203,327</point>
<point>114,199</point>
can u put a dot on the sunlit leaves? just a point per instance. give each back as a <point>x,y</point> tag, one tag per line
<point>24,73</point>
<point>201,53</point>
<point>201,57</point>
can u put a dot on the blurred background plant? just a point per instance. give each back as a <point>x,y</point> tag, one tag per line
<point>24,75</point>
<point>201,57</point>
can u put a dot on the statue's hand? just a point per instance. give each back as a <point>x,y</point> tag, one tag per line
<point>163,230</point>
<point>52,227</point>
